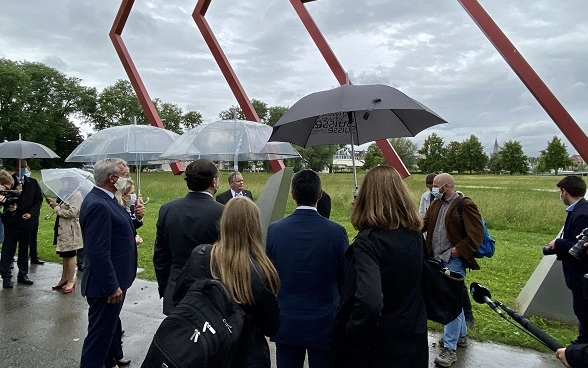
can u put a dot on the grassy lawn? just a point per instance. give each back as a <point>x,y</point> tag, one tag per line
<point>523,213</point>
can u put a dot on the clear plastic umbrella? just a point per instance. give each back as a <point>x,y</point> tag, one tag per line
<point>225,140</point>
<point>136,144</point>
<point>70,185</point>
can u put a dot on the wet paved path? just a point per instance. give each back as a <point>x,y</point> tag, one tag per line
<point>40,327</point>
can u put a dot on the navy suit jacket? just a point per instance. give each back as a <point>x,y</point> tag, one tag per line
<point>574,269</point>
<point>308,253</point>
<point>225,196</point>
<point>110,252</point>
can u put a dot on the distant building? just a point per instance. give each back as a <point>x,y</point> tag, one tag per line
<point>496,148</point>
<point>342,159</point>
<point>577,160</point>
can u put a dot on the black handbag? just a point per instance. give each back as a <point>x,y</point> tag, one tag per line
<point>442,291</point>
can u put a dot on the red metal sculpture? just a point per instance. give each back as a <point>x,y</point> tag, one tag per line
<point>222,61</point>
<point>532,81</point>
<point>127,62</point>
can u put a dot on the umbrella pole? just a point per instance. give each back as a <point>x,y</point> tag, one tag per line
<point>350,115</point>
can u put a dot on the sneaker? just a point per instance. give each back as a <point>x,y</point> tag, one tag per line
<point>446,358</point>
<point>462,342</point>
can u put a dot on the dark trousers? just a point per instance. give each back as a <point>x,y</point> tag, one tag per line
<point>115,353</point>
<point>288,356</point>
<point>103,319</point>
<point>33,241</point>
<point>580,305</point>
<point>80,258</point>
<point>11,239</point>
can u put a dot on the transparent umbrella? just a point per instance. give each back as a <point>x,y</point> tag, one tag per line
<point>136,144</point>
<point>70,185</point>
<point>226,140</point>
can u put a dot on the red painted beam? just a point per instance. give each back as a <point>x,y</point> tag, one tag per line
<point>134,77</point>
<point>329,56</point>
<point>231,77</point>
<point>530,79</point>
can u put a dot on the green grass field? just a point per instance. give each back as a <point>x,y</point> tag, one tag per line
<point>523,214</point>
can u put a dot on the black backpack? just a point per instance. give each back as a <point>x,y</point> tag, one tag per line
<point>203,330</point>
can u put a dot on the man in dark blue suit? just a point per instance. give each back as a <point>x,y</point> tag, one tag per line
<point>308,253</point>
<point>572,190</point>
<point>110,259</point>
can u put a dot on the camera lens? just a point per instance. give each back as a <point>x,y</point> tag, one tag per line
<point>547,250</point>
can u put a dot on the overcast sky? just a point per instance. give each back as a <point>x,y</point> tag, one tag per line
<point>431,50</point>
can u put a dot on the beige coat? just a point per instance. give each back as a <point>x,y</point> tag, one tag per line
<point>69,233</point>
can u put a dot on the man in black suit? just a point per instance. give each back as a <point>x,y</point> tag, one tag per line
<point>21,226</point>
<point>236,184</point>
<point>572,190</point>
<point>110,260</point>
<point>185,223</point>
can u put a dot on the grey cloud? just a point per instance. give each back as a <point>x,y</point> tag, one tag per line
<point>432,51</point>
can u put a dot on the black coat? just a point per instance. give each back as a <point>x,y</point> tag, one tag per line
<point>182,225</point>
<point>577,355</point>
<point>224,197</point>
<point>31,199</point>
<point>574,269</point>
<point>381,321</point>
<point>263,317</point>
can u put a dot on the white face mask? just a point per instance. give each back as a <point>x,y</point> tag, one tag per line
<point>132,200</point>
<point>121,183</point>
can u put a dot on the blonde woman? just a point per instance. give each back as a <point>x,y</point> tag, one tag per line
<point>238,260</point>
<point>381,320</point>
<point>67,238</point>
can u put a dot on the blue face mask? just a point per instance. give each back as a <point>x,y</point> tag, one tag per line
<point>435,193</point>
<point>24,172</point>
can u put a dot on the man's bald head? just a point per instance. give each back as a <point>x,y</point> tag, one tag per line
<point>445,183</point>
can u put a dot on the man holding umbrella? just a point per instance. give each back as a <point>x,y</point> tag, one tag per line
<point>22,226</point>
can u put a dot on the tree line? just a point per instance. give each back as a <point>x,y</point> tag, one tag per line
<point>41,103</point>
<point>468,156</point>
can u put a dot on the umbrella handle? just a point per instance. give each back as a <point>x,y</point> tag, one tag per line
<point>49,216</point>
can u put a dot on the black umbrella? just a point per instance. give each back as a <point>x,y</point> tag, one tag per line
<point>353,114</point>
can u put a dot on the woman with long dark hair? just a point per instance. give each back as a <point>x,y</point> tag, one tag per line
<point>382,320</point>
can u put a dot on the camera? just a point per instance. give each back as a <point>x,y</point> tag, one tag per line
<point>547,250</point>
<point>10,196</point>
<point>578,250</point>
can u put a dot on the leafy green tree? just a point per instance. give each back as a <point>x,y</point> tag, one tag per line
<point>118,105</point>
<point>260,108</point>
<point>432,155</point>
<point>317,158</point>
<point>373,157</point>
<point>555,156</point>
<point>406,150</point>
<point>472,157</point>
<point>13,94</point>
<point>494,164</point>
<point>275,113</point>
<point>191,119</point>
<point>171,115</point>
<point>404,147</point>
<point>40,103</point>
<point>513,159</point>
<point>453,153</point>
